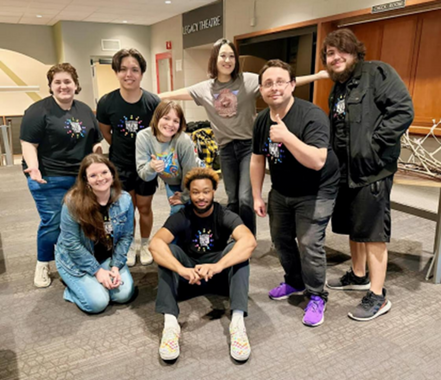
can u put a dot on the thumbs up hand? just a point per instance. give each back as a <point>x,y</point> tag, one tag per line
<point>278,132</point>
<point>156,165</point>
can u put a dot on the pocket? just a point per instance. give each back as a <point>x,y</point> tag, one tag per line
<point>355,106</point>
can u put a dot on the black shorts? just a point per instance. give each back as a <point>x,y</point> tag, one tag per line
<point>364,213</point>
<point>131,181</point>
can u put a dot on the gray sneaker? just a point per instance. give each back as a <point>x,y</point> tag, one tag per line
<point>349,281</point>
<point>371,306</point>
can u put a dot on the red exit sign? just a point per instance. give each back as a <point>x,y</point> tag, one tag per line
<point>168,45</point>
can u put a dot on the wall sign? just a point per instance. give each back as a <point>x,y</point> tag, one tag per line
<point>388,6</point>
<point>203,25</point>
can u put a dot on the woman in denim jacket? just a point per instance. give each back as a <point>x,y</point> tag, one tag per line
<point>96,233</point>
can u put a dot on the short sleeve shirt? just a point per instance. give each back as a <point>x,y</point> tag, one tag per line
<point>126,120</point>
<point>231,106</point>
<point>64,137</point>
<point>288,176</point>
<point>197,236</point>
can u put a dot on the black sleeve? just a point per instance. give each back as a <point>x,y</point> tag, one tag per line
<point>33,124</point>
<point>231,220</point>
<point>101,110</point>
<point>176,223</point>
<point>259,134</point>
<point>316,132</point>
<point>98,137</point>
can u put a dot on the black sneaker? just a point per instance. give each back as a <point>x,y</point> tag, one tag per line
<point>371,306</point>
<point>349,281</point>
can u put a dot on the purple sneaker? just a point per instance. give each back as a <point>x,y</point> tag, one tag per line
<point>314,312</point>
<point>283,291</point>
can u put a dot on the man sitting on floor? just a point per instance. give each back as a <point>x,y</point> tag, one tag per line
<point>202,261</point>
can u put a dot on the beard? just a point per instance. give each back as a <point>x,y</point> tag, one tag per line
<point>344,75</point>
<point>200,211</point>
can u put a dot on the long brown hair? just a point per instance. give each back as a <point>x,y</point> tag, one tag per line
<point>163,109</point>
<point>82,203</point>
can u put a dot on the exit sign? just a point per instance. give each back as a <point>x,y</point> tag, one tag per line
<point>388,6</point>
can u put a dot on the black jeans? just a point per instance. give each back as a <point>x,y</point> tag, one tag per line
<point>233,281</point>
<point>304,219</point>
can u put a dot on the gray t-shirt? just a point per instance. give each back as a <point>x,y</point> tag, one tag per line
<point>178,155</point>
<point>231,106</point>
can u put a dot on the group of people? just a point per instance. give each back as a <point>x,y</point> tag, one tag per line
<point>338,167</point>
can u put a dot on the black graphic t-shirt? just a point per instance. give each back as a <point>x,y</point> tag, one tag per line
<point>340,141</point>
<point>126,120</point>
<point>288,176</point>
<point>64,137</point>
<point>196,235</point>
<point>101,252</point>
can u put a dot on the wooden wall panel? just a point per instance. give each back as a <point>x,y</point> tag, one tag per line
<point>371,34</point>
<point>398,47</point>
<point>427,87</point>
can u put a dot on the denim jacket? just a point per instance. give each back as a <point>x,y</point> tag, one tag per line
<point>74,251</point>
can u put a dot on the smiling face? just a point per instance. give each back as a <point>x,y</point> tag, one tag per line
<point>168,125</point>
<point>129,74</point>
<point>202,195</point>
<point>226,61</point>
<point>99,177</point>
<point>339,64</point>
<point>281,89</point>
<point>63,88</point>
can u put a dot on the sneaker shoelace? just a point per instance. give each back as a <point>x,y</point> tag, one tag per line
<point>314,305</point>
<point>368,301</point>
<point>346,278</point>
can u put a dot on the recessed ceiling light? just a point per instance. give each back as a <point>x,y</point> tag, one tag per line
<point>168,2</point>
<point>124,21</point>
<point>39,16</point>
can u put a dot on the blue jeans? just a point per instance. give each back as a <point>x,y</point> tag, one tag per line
<point>235,164</point>
<point>170,190</point>
<point>304,219</point>
<point>49,199</point>
<point>90,296</point>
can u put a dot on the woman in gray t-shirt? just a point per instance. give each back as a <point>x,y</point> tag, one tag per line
<point>229,98</point>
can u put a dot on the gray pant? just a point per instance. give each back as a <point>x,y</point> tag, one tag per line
<point>233,281</point>
<point>305,219</point>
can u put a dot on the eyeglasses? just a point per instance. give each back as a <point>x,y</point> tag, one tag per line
<point>278,84</point>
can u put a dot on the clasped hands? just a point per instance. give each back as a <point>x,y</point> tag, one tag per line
<point>110,279</point>
<point>200,272</point>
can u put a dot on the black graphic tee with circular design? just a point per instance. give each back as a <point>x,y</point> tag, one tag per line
<point>126,120</point>
<point>64,138</point>
<point>101,252</point>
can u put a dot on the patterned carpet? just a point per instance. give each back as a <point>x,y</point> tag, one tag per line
<point>44,337</point>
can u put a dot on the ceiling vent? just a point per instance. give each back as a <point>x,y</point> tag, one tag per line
<point>110,45</point>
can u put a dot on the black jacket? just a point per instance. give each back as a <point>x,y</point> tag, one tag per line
<point>379,110</point>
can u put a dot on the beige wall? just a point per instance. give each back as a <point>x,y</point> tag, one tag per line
<point>275,13</point>
<point>82,40</point>
<point>32,40</point>
<point>195,70</point>
<point>168,30</point>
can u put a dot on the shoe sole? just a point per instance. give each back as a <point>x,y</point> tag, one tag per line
<point>42,286</point>
<point>168,358</point>
<point>350,287</point>
<point>318,323</point>
<point>299,293</point>
<point>240,358</point>
<point>146,262</point>
<point>381,311</point>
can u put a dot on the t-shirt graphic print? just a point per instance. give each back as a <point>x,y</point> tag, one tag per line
<point>130,126</point>
<point>225,102</point>
<point>274,151</point>
<point>75,128</point>
<point>171,166</point>
<point>204,240</point>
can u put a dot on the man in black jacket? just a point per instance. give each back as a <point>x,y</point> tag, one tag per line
<point>370,109</point>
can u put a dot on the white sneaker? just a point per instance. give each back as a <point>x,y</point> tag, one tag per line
<point>240,348</point>
<point>131,255</point>
<point>42,277</point>
<point>169,347</point>
<point>145,256</point>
